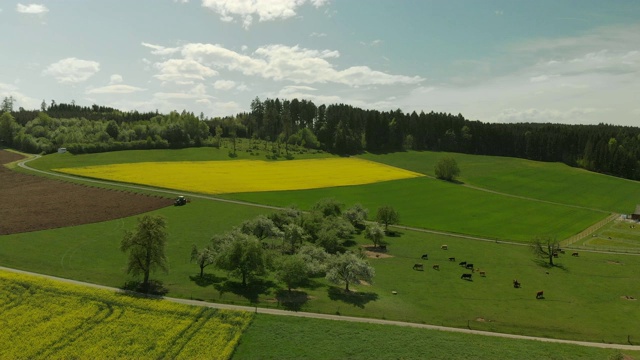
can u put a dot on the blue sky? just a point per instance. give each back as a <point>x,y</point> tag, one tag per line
<point>494,61</point>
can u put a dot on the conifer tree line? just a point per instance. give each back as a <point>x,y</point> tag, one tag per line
<point>336,128</point>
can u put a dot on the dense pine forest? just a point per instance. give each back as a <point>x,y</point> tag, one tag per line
<point>336,128</point>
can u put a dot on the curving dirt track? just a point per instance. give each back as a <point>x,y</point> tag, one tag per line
<point>30,203</point>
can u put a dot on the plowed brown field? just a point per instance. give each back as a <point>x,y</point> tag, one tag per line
<point>30,203</point>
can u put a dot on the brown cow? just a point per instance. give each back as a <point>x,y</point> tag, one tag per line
<point>540,295</point>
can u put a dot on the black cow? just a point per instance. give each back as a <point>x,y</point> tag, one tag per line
<point>418,267</point>
<point>575,254</point>
<point>465,277</point>
<point>469,266</point>
<point>516,284</point>
<point>464,263</point>
<point>425,257</point>
<point>452,259</point>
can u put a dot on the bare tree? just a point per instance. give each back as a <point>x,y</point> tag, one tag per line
<point>545,247</point>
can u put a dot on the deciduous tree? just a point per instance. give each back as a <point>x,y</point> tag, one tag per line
<point>375,233</point>
<point>545,247</point>
<point>447,169</point>
<point>203,257</point>
<point>146,247</point>
<point>242,255</point>
<point>348,269</point>
<point>292,270</point>
<point>387,215</point>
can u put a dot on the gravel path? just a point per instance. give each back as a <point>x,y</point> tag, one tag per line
<point>340,318</point>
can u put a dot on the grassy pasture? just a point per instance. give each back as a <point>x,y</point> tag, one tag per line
<point>277,337</point>
<point>546,181</point>
<point>434,204</point>
<point>46,319</point>
<point>583,300</point>
<point>618,235</point>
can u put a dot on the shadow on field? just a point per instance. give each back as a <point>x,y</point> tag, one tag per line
<point>394,233</point>
<point>205,280</point>
<point>545,264</point>
<point>359,299</point>
<point>292,300</point>
<point>156,287</point>
<point>251,291</point>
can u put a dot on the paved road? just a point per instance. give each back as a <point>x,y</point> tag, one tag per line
<point>341,318</point>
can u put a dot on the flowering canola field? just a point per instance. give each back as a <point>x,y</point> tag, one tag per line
<point>233,176</point>
<point>43,318</point>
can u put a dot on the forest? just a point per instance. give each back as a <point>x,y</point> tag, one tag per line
<point>336,128</point>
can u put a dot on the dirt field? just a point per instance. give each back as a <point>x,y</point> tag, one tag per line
<point>30,203</point>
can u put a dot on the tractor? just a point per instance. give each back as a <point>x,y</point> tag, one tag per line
<point>181,200</point>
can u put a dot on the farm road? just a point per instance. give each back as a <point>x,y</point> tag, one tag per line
<point>23,165</point>
<point>340,318</point>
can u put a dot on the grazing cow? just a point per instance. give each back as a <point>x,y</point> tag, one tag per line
<point>555,254</point>
<point>469,266</point>
<point>464,263</point>
<point>465,277</point>
<point>540,295</point>
<point>483,273</point>
<point>516,284</point>
<point>452,259</point>
<point>425,257</point>
<point>436,267</point>
<point>575,254</point>
<point>418,267</point>
<point>444,247</point>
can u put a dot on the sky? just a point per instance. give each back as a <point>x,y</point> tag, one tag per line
<point>559,61</point>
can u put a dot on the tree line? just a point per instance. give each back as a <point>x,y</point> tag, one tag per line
<point>337,128</point>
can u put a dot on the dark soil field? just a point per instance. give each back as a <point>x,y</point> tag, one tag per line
<point>30,203</point>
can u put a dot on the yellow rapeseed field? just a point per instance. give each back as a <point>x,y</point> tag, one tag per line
<point>46,319</point>
<point>219,177</point>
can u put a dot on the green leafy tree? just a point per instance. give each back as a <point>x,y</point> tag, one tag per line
<point>375,233</point>
<point>292,270</point>
<point>146,247</point>
<point>7,104</point>
<point>387,215</point>
<point>328,207</point>
<point>356,215</point>
<point>545,247</point>
<point>294,235</point>
<point>315,257</point>
<point>242,255</point>
<point>261,227</point>
<point>348,269</point>
<point>203,257</point>
<point>447,169</point>
<point>8,128</point>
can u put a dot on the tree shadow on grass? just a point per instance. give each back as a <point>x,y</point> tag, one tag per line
<point>156,288</point>
<point>545,264</point>
<point>394,233</point>
<point>205,280</point>
<point>359,299</point>
<point>251,291</point>
<point>292,300</point>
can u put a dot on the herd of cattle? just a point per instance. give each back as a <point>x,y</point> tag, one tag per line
<point>469,266</point>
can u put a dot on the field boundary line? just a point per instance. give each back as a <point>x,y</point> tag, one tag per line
<point>588,231</point>
<point>338,317</point>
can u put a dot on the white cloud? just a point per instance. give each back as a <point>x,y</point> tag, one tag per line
<point>198,92</point>
<point>31,9</point>
<point>498,12</point>
<point>224,85</point>
<point>181,1</point>
<point>21,100</point>
<point>266,10</point>
<point>115,89</point>
<point>183,71</point>
<point>160,50</point>
<point>291,63</point>
<point>318,35</point>
<point>72,70</point>
<point>115,79</point>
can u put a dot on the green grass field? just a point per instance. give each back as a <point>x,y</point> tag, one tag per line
<point>545,181</point>
<point>277,337</point>
<point>585,297</point>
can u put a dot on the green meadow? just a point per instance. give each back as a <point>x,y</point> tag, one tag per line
<point>590,297</point>
<point>279,337</point>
